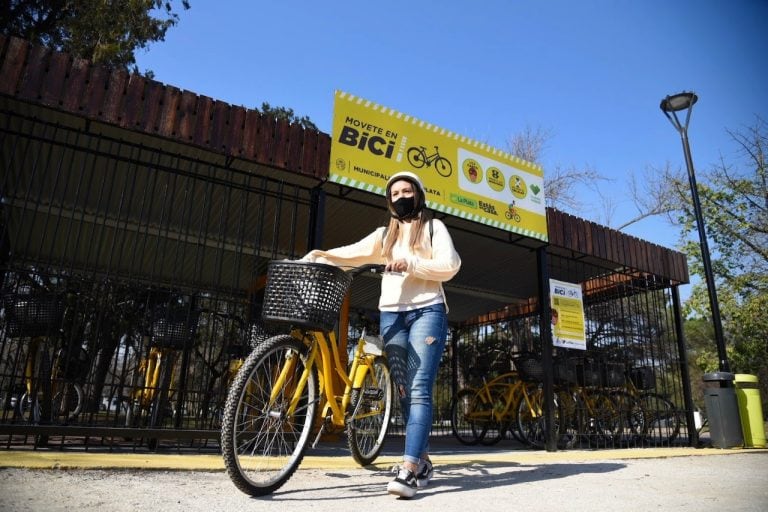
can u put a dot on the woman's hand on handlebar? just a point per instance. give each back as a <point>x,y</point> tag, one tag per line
<point>397,266</point>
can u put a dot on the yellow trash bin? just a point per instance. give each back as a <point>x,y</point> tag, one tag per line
<point>750,410</point>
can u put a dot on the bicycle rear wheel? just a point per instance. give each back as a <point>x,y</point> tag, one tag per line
<point>371,410</point>
<point>268,416</point>
<point>498,419</point>
<point>461,423</point>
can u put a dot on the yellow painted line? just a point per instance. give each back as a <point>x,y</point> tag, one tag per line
<point>89,460</point>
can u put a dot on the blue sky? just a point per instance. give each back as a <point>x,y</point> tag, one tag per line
<point>592,72</point>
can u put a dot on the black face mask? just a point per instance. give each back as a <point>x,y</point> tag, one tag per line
<point>405,208</point>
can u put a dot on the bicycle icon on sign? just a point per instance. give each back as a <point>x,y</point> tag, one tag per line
<point>511,213</point>
<point>418,158</point>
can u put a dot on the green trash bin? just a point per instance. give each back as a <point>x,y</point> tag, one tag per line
<point>722,410</point>
<point>750,410</point>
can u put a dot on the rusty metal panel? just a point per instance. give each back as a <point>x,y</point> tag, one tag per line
<point>295,143</point>
<point>251,126</point>
<point>132,107</point>
<point>323,155</point>
<point>34,75</point>
<point>112,110</point>
<point>73,96</point>
<point>265,141</point>
<point>187,115</point>
<point>281,147</point>
<point>167,117</point>
<point>55,80</point>
<point>202,133</point>
<point>309,153</point>
<point>153,97</point>
<point>219,133</point>
<point>236,122</point>
<point>96,91</point>
<point>13,64</point>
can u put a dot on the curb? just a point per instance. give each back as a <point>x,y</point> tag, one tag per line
<point>198,462</point>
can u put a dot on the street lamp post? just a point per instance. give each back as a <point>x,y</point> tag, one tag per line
<point>671,105</point>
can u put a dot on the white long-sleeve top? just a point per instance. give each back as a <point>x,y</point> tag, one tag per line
<point>421,284</point>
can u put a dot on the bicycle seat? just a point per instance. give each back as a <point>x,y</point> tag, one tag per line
<point>374,345</point>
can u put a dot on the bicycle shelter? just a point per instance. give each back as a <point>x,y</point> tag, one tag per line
<point>120,194</point>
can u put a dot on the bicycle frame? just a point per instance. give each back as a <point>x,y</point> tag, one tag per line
<point>328,367</point>
<point>151,367</point>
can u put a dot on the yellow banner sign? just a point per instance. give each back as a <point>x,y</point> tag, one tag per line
<point>568,330</point>
<point>464,178</point>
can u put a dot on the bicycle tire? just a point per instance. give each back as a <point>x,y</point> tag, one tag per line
<point>662,419</point>
<point>160,407</point>
<point>632,417</point>
<point>531,419</point>
<point>35,407</point>
<point>416,157</point>
<point>461,425</point>
<point>495,429</point>
<point>29,408</point>
<point>443,167</point>
<point>602,420</point>
<point>371,411</point>
<point>68,402</point>
<point>261,445</point>
<point>569,419</point>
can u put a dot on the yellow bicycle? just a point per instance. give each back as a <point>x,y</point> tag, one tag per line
<point>273,403</point>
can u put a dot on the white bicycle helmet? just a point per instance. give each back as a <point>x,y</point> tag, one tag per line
<point>416,181</point>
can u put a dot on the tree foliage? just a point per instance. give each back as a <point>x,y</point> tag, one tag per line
<point>287,114</point>
<point>559,183</point>
<point>734,203</point>
<point>103,31</point>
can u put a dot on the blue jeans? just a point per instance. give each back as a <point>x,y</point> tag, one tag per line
<point>414,343</point>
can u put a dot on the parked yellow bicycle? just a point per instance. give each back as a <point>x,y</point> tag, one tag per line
<point>53,373</point>
<point>512,402</point>
<point>272,404</point>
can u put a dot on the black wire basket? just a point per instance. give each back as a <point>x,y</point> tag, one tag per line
<point>174,327</point>
<point>32,315</point>
<point>565,371</point>
<point>304,294</point>
<point>643,377</point>
<point>613,375</point>
<point>529,368</point>
<point>590,373</point>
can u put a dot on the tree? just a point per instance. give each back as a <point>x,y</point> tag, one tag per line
<point>287,115</point>
<point>103,31</point>
<point>559,183</point>
<point>734,201</point>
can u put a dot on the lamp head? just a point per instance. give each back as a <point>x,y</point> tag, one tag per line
<point>678,102</point>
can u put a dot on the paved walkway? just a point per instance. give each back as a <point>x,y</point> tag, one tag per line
<point>503,477</point>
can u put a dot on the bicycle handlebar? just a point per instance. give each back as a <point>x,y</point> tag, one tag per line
<point>373,268</point>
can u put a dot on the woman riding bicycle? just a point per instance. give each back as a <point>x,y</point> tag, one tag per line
<point>419,256</point>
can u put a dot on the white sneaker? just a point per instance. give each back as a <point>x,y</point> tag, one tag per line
<point>404,485</point>
<point>425,473</point>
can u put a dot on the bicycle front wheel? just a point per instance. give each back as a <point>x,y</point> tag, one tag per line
<point>371,408</point>
<point>443,166</point>
<point>268,416</point>
<point>531,418</point>
<point>68,400</point>
<point>662,419</point>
